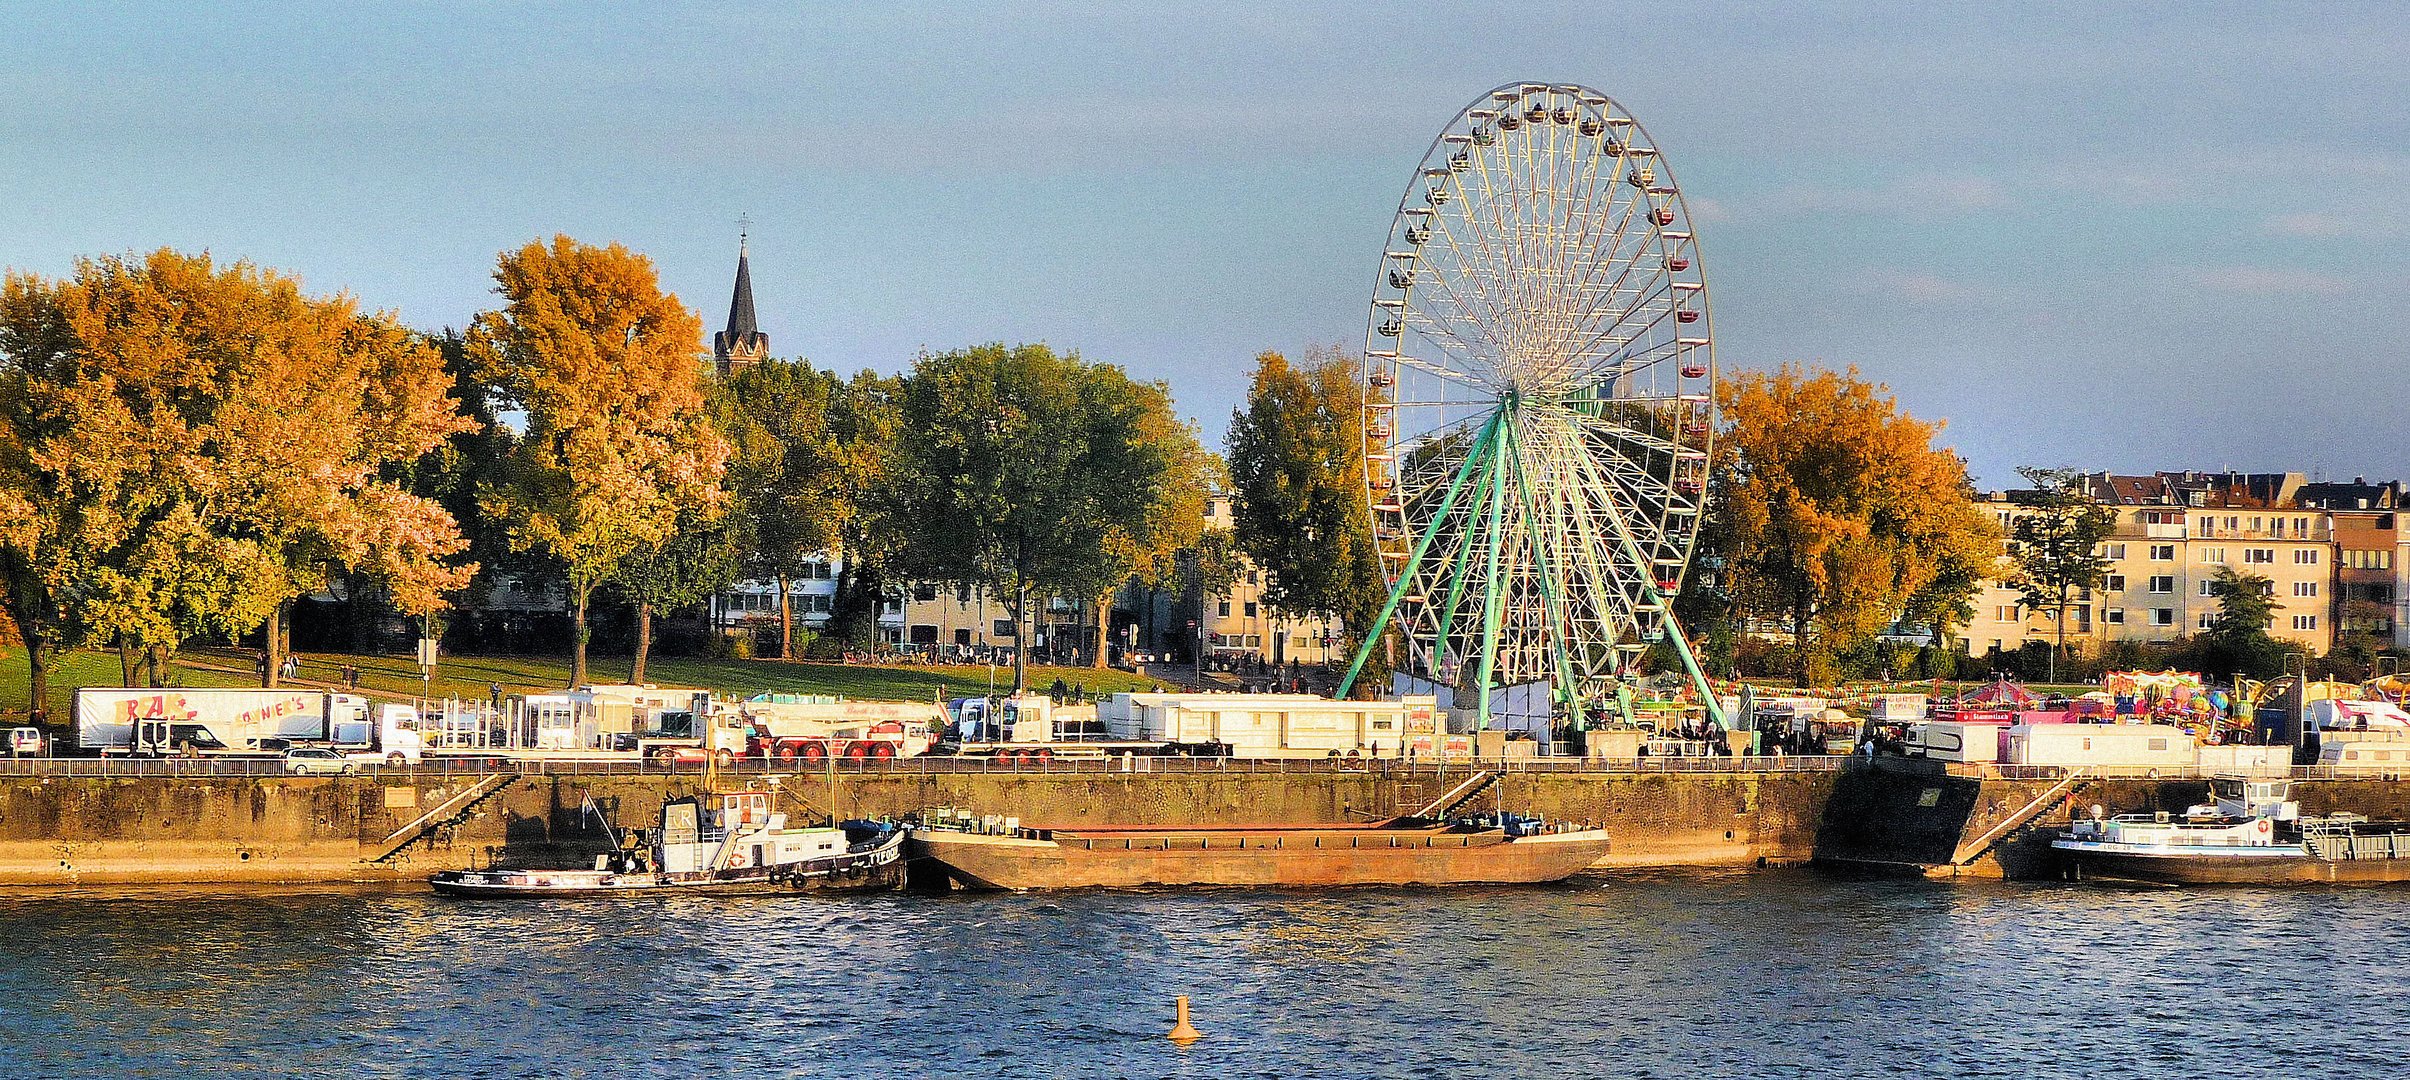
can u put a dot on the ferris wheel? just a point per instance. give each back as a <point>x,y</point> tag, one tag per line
<point>1539,375</point>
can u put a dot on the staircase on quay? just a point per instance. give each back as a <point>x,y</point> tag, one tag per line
<point>444,815</point>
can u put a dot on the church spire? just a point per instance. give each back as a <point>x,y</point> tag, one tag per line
<point>742,344</point>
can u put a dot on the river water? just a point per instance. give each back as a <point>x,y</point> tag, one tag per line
<point>1781,973</point>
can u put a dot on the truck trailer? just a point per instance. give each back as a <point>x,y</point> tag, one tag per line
<point>111,722</point>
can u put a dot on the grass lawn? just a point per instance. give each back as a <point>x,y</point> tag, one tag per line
<point>471,676</point>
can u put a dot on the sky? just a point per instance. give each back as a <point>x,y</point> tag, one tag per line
<point>2117,236</point>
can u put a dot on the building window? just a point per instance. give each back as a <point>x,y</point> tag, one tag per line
<point>2005,614</point>
<point>2305,557</point>
<point>2259,555</point>
<point>962,594</point>
<point>924,592</point>
<point>2305,622</point>
<point>1005,629</point>
<point>2112,551</point>
<point>2305,588</point>
<point>1250,609</point>
<point>2113,583</point>
<point>2163,552</point>
<point>2209,587</point>
<point>962,635</point>
<point>2163,616</point>
<point>2163,583</point>
<point>2214,556</point>
<point>2205,619</point>
<point>1224,610</point>
<point>2114,616</point>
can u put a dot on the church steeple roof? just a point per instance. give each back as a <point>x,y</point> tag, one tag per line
<point>742,344</point>
<point>740,306</point>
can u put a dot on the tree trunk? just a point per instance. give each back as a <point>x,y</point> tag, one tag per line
<point>37,672</point>
<point>786,621</point>
<point>1799,650</point>
<point>644,641</point>
<point>577,651</point>
<point>2053,667</point>
<point>1020,635</point>
<point>156,658</point>
<point>1104,635</point>
<point>271,648</point>
<point>126,660</point>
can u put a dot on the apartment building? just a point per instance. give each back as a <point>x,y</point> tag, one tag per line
<point>2174,531</point>
<point>2372,584</point>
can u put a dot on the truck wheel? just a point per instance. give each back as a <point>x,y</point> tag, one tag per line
<point>348,769</point>
<point>665,756</point>
<point>814,751</point>
<point>723,758</point>
<point>882,750</point>
<point>396,760</point>
<point>786,755</point>
<point>1045,755</point>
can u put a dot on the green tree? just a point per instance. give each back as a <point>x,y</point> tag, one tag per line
<point>699,559</point>
<point>1024,471</point>
<point>2056,545</point>
<point>1837,516</point>
<point>605,368</point>
<point>2238,635</point>
<point>1299,509</point>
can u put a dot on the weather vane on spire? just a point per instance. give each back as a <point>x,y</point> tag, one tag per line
<point>744,228</point>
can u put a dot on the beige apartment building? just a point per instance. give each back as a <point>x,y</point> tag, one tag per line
<point>2174,531</point>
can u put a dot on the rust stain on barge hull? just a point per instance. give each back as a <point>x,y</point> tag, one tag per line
<point>1126,858</point>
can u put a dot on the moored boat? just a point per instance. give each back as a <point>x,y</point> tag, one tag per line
<point>1500,849</point>
<point>2253,834</point>
<point>739,845</point>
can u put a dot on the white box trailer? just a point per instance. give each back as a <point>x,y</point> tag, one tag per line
<point>1270,725</point>
<point>1955,740</point>
<point>2132,746</point>
<point>113,720</point>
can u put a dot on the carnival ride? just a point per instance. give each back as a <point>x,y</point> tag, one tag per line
<point>1539,403</point>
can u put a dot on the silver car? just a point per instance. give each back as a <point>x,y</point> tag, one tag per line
<point>308,760</point>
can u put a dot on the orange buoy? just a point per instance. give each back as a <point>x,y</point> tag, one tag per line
<point>1182,1031</point>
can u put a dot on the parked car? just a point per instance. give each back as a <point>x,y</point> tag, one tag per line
<point>307,760</point>
<point>27,742</point>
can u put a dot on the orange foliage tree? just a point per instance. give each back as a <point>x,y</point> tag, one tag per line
<point>1836,515</point>
<point>606,369</point>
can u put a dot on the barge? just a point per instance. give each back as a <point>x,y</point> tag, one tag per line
<point>2253,834</point>
<point>988,853</point>
<point>739,847</point>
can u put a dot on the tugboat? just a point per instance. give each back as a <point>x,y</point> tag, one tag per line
<point>2253,834</point>
<point>741,846</point>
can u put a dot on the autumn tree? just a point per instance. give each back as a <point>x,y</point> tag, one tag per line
<point>245,431</point>
<point>1297,485</point>
<point>1026,470</point>
<point>2056,544</point>
<point>605,368</point>
<point>1837,516</point>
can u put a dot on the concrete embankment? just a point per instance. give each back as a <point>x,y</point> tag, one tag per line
<point>1915,816</point>
<point>57,830</point>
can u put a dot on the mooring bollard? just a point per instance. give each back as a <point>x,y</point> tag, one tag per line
<point>1182,1032</point>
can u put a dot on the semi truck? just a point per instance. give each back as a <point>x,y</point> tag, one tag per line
<point>800,727</point>
<point>208,722</point>
<point>1203,724</point>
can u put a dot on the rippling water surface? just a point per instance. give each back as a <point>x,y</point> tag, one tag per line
<point>1757,975</point>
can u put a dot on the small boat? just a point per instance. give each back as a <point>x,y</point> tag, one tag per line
<point>993,853</point>
<point>741,846</point>
<point>2253,834</point>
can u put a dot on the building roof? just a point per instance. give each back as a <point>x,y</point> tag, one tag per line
<point>2359,494</point>
<point>740,306</point>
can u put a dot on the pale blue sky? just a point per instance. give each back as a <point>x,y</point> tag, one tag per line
<point>2106,235</point>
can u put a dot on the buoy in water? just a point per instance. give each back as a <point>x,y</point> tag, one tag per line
<point>1182,1031</point>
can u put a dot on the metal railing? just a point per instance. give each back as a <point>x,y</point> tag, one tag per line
<point>489,765</point>
<point>1990,771</point>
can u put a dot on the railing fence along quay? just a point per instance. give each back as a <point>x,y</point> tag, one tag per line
<point>1388,768</point>
<point>489,765</point>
